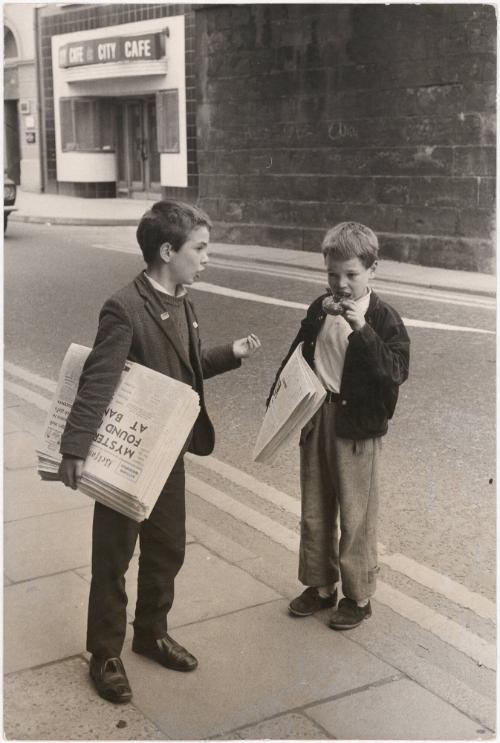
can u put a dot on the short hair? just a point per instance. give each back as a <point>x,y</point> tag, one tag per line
<point>168,221</point>
<point>351,240</point>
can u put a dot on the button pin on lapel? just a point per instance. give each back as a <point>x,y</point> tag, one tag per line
<point>164,316</point>
<point>195,324</point>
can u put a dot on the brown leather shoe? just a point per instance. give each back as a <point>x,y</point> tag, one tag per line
<point>110,680</point>
<point>167,652</point>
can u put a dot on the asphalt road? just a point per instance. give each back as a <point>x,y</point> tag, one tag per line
<point>438,502</point>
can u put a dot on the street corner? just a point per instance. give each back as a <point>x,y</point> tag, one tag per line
<point>58,702</point>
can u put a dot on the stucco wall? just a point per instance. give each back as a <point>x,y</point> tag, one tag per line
<point>19,19</point>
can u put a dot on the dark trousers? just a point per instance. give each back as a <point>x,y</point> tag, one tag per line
<point>162,540</point>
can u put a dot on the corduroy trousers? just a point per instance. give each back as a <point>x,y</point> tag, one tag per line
<point>339,488</point>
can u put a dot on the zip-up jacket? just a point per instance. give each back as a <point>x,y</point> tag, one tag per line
<point>376,363</point>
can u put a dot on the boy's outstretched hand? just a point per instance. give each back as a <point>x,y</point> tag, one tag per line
<point>244,347</point>
<point>70,471</point>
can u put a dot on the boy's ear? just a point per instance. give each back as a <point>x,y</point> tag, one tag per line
<point>373,268</point>
<point>165,251</point>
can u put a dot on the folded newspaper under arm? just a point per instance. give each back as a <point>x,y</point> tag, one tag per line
<point>297,396</point>
<point>141,435</point>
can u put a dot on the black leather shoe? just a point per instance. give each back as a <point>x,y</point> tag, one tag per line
<point>349,615</point>
<point>167,652</point>
<point>309,602</point>
<point>110,680</point>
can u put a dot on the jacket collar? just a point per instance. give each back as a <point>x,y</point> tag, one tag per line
<point>374,304</point>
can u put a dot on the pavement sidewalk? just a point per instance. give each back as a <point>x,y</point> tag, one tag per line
<point>56,209</point>
<point>262,674</point>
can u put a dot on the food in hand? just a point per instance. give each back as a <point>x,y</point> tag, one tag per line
<point>333,305</point>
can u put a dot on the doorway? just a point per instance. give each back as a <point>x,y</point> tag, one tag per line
<point>12,149</point>
<point>137,153</point>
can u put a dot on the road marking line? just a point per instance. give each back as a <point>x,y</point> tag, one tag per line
<point>298,273</point>
<point>30,377</point>
<point>437,582</point>
<point>446,629</point>
<point>241,478</point>
<point>277,533</point>
<point>441,584</point>
<point>28,395</point>
<point>236,293</point>
<point>308,277</point>
<point>134,250</point>
<point>249,296</point>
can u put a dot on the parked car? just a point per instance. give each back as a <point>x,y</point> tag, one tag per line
<point>9,199</point>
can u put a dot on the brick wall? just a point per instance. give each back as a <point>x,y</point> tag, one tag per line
<point>313,114</point>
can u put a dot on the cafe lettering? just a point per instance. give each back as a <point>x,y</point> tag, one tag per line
<point>115,49</point>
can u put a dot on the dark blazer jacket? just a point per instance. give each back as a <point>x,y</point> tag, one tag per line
<point>133,325</point>
<point>376,363</point>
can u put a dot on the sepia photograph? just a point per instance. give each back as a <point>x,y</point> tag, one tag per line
<point>249,331</point>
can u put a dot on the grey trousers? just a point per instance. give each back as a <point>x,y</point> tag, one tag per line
<point>339,477</point>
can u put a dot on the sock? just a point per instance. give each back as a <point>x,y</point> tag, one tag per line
<point>363,603</point>
<point>326,591</point>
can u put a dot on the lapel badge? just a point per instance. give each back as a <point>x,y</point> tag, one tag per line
<point>195,324</point>
<point>164,316</point>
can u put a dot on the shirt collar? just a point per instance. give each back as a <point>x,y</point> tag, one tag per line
<point>181,291</point>
<point>364,301</point>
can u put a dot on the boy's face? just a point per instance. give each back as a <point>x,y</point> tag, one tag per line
<point>190,260</point>
<point>349,277</point>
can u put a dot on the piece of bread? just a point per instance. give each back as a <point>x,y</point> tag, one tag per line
<point>333,305</point>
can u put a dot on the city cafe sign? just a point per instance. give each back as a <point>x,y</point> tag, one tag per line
<point>113,49</point>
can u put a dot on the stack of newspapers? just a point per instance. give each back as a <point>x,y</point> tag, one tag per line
<point>142,433</point>
<point>296,397</point>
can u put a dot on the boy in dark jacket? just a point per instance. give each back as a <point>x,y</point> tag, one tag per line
<point>150,321</point>
<point>359,349</point>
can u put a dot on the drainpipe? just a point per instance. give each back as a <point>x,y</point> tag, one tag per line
<point>40,103</point>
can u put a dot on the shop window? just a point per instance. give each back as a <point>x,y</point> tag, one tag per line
<point>167,117</point>
<point>87,125</point>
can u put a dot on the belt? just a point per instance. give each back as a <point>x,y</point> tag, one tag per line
<point>332,396</point>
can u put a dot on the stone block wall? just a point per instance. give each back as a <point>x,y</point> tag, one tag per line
<point>308,115</point>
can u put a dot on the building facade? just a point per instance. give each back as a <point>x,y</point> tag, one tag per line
<point>118,100</point>
<point>21,135</point>
<point>283,119</point>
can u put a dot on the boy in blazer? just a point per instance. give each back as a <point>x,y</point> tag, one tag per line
<point>150,321</point>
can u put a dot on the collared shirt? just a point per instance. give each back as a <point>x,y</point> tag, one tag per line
<point>331,347</point>
<point>181,292</point>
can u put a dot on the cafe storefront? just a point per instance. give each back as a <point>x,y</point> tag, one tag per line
<point>119,106</point>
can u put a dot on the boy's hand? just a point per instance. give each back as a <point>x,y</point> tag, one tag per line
<point>243,347</point>
<point>70,471</point>
<point>353,314</point>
